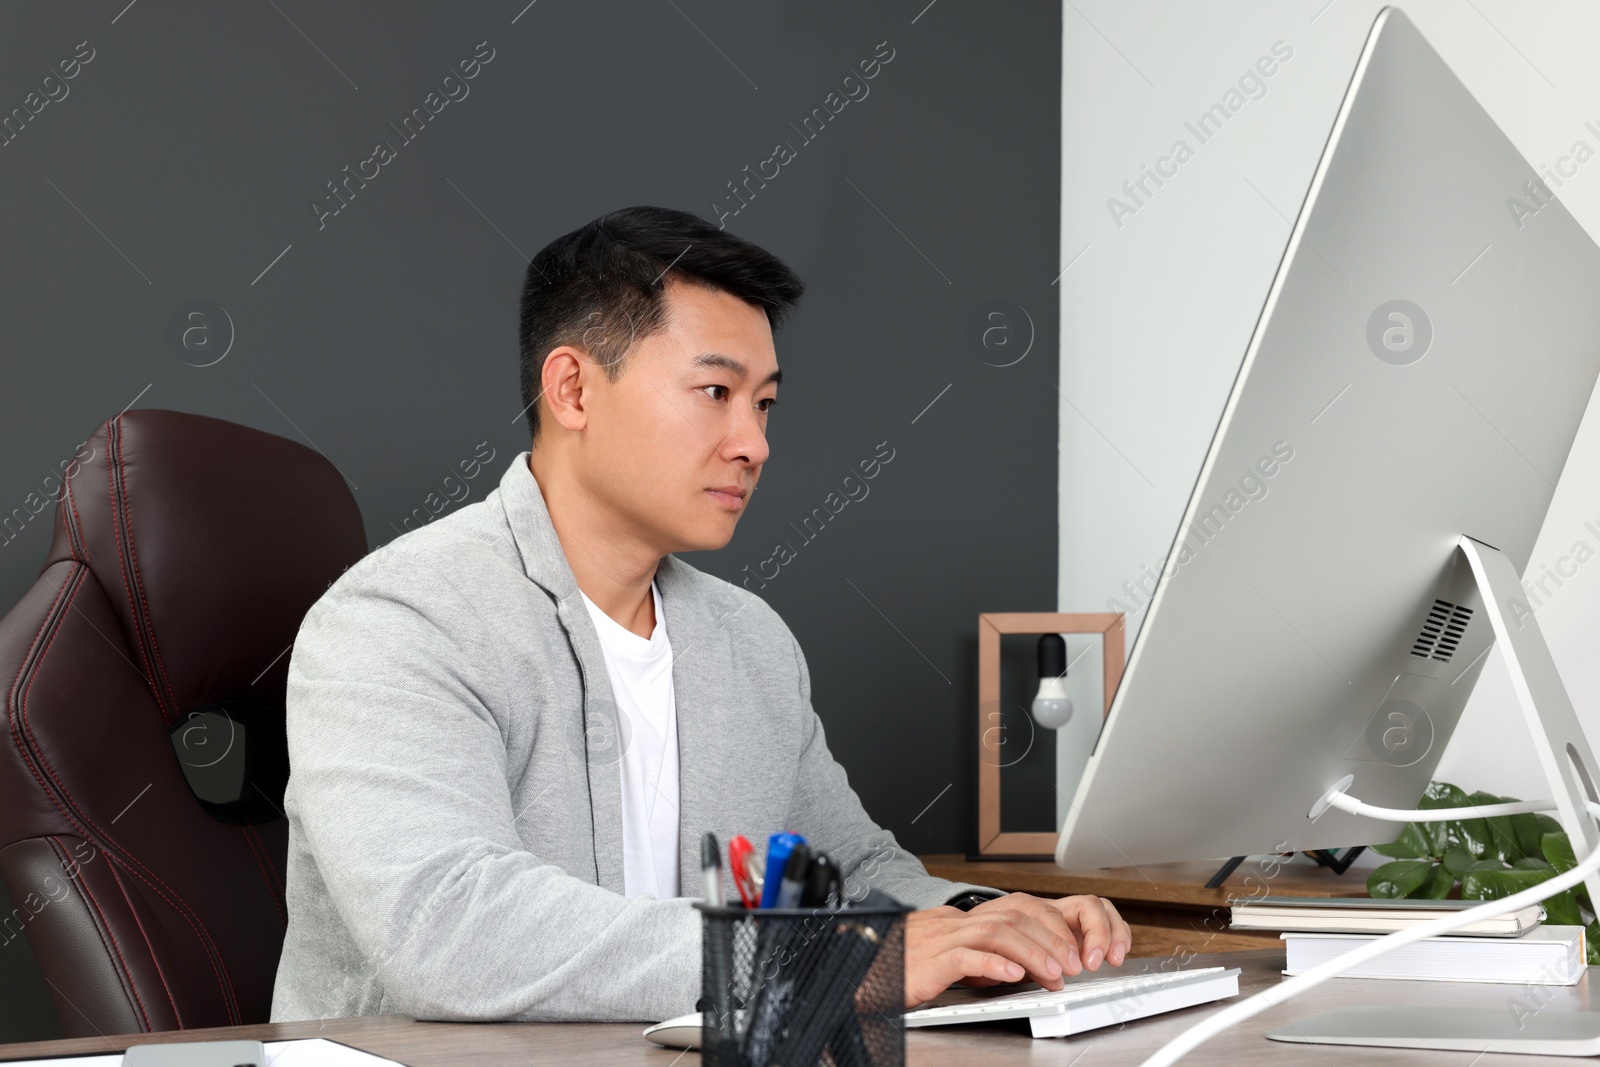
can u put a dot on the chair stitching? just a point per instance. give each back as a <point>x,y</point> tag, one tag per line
<point>115,877</point>
<point>214,955</point>
<point>176,902</point>
<point>138,639</point>
<point>88,893</point>
<point>77,527</point>
<point>138,577</point>
<point>62,523</point>
<point>11,697</point>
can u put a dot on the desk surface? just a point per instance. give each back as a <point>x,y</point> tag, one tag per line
<point>1167,905</point>
<point>538,1044</point>
<point>1153,883</point>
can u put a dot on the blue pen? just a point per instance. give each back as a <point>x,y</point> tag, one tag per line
<point>778,848</point>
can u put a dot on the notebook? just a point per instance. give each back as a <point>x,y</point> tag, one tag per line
<point>1547,955</point>
<point>1366,915</point>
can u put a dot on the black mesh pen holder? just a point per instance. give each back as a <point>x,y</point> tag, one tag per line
<point>802,986</point>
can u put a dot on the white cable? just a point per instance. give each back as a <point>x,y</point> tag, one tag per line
<point>1213,1025</point>
<point>1346,802</point>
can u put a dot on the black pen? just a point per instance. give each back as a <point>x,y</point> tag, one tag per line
<point>822,882</point>
<point>721,979</point>
<point>711,866</point>
<point>794,877</point>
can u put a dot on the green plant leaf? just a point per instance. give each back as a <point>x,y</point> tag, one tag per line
<point>1410,844</point>
<point>1530,833</point>
<point>1492,858</point>
<point>1557,848</point>
<point>1438,885</point>
<point>1562,910</point>
<point>1457,860</point>
<point>1441,835</point>
<point>1399,878</point>
<point>1473,834</point>
<point>1495,885</point>
<point>1502,835</point>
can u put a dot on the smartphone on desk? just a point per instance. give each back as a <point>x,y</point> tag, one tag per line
<point>197,1054</point>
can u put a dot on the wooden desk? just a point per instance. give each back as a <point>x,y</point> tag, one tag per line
<point>1167,904</point>
<point>541,1044</point>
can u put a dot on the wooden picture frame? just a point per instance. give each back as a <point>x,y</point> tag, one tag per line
<point>992,841</point>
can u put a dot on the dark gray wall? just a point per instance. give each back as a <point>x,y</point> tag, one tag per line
<point>185,157</point>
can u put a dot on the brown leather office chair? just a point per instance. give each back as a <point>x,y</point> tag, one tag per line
<point>151,653</point>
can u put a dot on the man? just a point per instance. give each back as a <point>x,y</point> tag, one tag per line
<point>509,729</point>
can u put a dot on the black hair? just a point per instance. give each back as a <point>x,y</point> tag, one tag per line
<point>600,287</point>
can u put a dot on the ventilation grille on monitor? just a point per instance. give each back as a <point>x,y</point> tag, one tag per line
<point>1441,631</point>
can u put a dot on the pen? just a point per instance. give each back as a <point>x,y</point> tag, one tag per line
<point>822,882</point>
<point>794,877</point>
<point>711,866</point>
<point>741,865</point>
<point>721,977</point>
<point>779,846</point>
<point>770,1002</point>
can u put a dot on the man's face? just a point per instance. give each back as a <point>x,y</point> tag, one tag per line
<point>675,445</point>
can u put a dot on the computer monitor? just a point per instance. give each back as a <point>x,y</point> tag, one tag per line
<point>1417,374</point>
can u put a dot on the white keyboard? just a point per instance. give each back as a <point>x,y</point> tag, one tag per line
<point>1045,1002</point>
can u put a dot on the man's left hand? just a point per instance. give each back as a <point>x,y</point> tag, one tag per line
<point>1090,924</point>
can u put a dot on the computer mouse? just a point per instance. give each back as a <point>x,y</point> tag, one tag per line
<point>682,1032</point>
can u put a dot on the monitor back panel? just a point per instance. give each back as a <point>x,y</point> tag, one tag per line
<point>1419,370</point>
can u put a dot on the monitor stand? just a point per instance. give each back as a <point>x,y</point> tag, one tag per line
<point>1325,857</point>
<point>1567,763</point>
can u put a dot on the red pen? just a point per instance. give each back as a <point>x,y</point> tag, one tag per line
<point>741,864</point>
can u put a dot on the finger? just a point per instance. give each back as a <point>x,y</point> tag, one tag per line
<point>1000,934</point>
<point>1089,915</point>
<point>987,968</point>
<point>1054,935</point>
<point>931,962</point>
<point>1121,935</point>
<point>928,976</point>
<point>1052,932</point>
<point>1057,936</point>
<point>1046,912</point>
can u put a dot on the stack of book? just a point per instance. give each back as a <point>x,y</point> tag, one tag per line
<point>1513,948</point>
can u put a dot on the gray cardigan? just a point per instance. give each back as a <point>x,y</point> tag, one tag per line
<point>455,827</point>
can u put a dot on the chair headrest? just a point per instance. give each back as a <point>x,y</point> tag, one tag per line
<point>211,540</point>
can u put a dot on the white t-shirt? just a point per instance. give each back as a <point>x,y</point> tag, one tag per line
<point>641,685</point>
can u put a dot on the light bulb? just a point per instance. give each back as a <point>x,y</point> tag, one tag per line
<point>1052,707</point>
